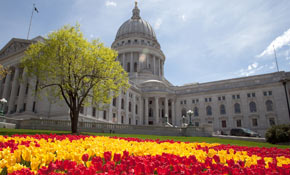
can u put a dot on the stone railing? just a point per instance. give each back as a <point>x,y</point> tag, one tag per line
<point>65,125</point>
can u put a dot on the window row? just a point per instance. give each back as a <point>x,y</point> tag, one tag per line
<point>222,98</point>
<point>237,108</point>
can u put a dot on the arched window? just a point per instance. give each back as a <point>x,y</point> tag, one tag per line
<point>183,112</point>
<point>122,103</point>
<point>135,67</point>
<point>195,112</point>
<point>237,108</point>
<point>222,109</point>
<point>208,110</point>
<point>136,109</point>
<point>128,67</point>
<point>253,107</point>
<point>130,106</point>
<point>269,105</point>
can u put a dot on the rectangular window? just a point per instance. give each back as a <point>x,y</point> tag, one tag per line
<point>82,110</point>
<point>249,95</point>
<point>272,121</point>
<point>185,102</point>
<point>18,91</point>
<point>219,98</point>
<point>27,87</point>
<point>238,96</point>
<point>239,123</point>
<point>209,122</point>
<point>270,92</point>
<point>94,112</point>
<point>33,107</point>
<point>15,108</point>
<point>224,98</point>
<point>196,124</point>
<point>265,93</point>
<point>114,117</point>
<point>181,102</point>
<point>205,99</point>
<point>253,95</point>
<point>224,123</point>
<point>255,122</point>
<point>209,99</point>
<point>196,100</point>
<point>233,97</point>
<point>114,101</point>
<point>193,101</point>
<point>105,115</point>
<point>24,106</point>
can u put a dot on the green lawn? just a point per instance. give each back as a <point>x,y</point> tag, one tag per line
<point>175,138</point>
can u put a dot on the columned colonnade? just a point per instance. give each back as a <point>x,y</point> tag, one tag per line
<point>15,89</point>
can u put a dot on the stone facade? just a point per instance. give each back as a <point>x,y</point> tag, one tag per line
<point>254,102</point>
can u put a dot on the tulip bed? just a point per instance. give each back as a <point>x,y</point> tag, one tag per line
<point>86,155</point>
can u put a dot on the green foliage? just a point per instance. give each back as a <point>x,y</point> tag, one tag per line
<point>278,134</point>
<point>74,67</point>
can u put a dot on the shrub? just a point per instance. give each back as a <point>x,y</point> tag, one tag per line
<point>278,134</point>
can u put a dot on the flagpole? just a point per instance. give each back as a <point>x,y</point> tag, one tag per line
<point>276,58</point>
<point>30,20</point>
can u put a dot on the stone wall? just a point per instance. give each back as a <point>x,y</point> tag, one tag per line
<point>45,124</point>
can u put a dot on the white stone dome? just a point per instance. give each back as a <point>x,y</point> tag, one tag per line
<point>136,26</point>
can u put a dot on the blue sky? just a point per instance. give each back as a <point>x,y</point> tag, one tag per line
<point>203,40</point>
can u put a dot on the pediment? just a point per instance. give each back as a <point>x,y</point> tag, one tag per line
<point>14,46</point>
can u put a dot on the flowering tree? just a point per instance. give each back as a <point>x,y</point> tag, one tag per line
<point>75,70</point>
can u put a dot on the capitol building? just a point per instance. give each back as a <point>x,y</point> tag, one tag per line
<point>254,102</point>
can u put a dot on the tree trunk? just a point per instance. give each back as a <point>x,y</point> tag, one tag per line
<point>74,121</point>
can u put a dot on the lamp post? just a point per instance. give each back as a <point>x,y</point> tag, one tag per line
<point>3,101</point>
<point>190,112</point>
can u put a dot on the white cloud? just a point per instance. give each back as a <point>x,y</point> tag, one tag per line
<point>252,69</point>
<point>157,23</point>
<point>183,17</point>
<point>111,3</point>
<point>278,42</point>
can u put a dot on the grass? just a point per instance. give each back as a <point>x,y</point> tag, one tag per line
<point>175,138</point>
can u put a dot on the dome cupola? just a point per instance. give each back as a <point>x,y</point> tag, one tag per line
<point>136,26</point>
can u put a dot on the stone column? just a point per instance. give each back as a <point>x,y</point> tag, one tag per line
<point>133,121</point>
<point>127,108</point>
<point>13,90</point>
<point>31,94</point>
<point>146,111</point>
<point>140,111</point>
<point>166,107</point>
<point>147,61</point>
<point>154,66</point>
<point>159,67</point>
<point>124,64</point>
<point>1,88</point>
<point>23,85</point>
<point>156,111</point>
<point>110,112</point>
<point>131,63</point>
<point>100,115</point>
<point>119,109</point>
<point>7,86</point>
<point>173,113</point>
